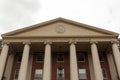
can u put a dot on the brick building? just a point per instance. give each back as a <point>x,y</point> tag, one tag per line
<point>60,49</point>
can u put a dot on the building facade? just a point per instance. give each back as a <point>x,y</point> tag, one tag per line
<point>60,49</point>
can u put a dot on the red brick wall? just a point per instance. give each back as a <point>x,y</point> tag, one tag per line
<point>16,65</point>
<point>104,64</point>
<point>85,65</point>
<point>35,65</point>
<point>65,65</point>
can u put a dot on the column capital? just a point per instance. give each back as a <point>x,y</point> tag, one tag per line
<point>26,42</point>
<point>72,42</point>
<point>5,42</point>
<point>93,42</point>
<point>48,42</point>
<point>114,41</point>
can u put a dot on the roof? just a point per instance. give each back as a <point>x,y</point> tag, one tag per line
<point>62,20</point>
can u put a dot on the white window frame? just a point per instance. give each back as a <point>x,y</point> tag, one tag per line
<point>63,74</point>
<point>105,73</point>
<point>79,71</point>
<point>37,57</point>
<point>41,71</point>
<point>15,74</point>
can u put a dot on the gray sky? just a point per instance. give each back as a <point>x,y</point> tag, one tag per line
<point>15,14</point>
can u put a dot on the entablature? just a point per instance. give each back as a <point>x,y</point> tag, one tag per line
<point>60,39</point>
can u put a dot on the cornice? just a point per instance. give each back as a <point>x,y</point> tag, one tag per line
<point>61,40</point>
<point>65,36</point>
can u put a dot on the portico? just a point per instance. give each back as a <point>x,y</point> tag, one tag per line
<point>67,47</point>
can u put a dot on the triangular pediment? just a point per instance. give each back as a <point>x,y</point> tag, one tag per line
<point>59,27</point>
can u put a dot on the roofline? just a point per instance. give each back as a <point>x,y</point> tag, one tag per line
<point>60,19</point>
<point>35,26</point>
<point>89,26</point>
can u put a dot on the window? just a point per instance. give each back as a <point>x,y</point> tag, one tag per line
<point>16,74</point>
<point>60,57</point>
<point>101,57</point>
<point>81,57</point>
<point>38,74</point>
<point>104,73</point>
<point>60,73</point>
<point>39,58</point>
<point>19,59</point>
<point>82,74</point>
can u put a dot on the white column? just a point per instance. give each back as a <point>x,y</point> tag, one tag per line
<point>9,65</point>
<point>3,58</point>
<point>24,63</point>
<point>73,63</point>
<point>96,62</point>
<point>47,63</point>
<point>116,54</point>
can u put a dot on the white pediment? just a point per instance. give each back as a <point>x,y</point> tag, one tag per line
<point>59,28</point>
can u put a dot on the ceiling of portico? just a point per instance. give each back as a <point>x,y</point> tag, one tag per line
<point>59,27</point>
<point>59,47</point>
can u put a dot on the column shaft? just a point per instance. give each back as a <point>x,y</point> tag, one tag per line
<point>3,58</point>
<point>73,63</point>
<point>24,63</point>
<point>116,54</point>
<point>96,62</point>
<point>47,63</point>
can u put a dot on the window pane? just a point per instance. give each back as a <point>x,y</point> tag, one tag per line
<point>39,57</point>
<point>60,57</point>
<point>82,74</point>
<point>60,73</point>
<point>19,58</point>
<point>101,57</point>
<point>104,73</point>
<point>38,74</point>
<point>81,57</point>
<point>16,74</point>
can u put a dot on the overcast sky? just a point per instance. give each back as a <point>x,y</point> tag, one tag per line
<point>16,14</point>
